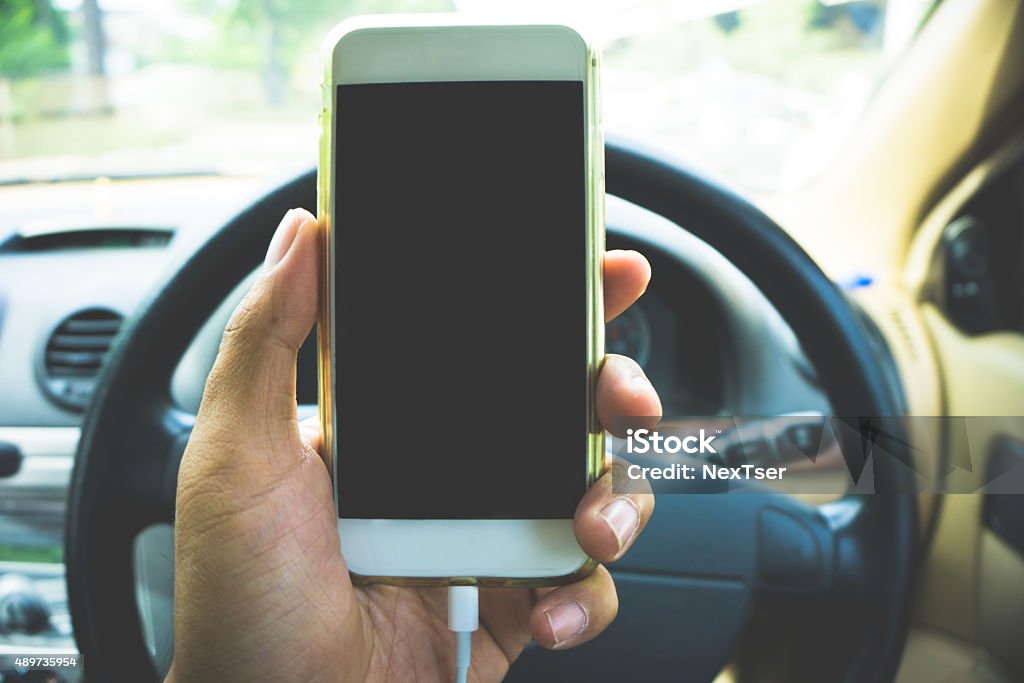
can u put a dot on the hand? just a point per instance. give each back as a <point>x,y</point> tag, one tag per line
<point>262,592</point>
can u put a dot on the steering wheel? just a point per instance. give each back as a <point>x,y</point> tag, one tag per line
<point>719,557</point>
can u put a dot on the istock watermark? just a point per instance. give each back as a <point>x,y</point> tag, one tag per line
<point>643,441</point>
<point>693,472</point>
<point>650,441</point>
<point>819,454</point>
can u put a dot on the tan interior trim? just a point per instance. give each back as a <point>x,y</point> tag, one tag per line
<point>935,657</point>
<point>953,84</point>
<point>1001,611</point>
<point>984,376</point>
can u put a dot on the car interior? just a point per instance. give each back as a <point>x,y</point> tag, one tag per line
<point>889,281</point>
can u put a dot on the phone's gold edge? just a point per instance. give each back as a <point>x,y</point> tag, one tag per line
<point>595,248</point>
<point>325,176</point>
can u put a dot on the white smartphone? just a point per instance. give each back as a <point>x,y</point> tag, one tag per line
<point>461,194</point>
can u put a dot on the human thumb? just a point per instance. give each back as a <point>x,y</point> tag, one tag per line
<point>251,388</point>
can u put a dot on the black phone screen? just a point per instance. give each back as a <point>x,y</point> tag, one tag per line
<point>460,300</point>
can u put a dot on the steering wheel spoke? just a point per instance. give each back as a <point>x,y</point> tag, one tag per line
<point>795,548</point>
<point>770,542</point>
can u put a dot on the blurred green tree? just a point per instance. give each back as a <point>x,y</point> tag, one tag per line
<point>34,38</point>
<point>276,31</point>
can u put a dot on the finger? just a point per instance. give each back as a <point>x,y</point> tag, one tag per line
<point>626,276</point>
<point>251,388</point>
<point>623,391</point>
<point>608,522</point>
<point>573,614</point>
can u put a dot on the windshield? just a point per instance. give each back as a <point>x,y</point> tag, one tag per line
<point>760,94</point>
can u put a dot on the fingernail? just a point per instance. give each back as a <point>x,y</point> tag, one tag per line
<point>567,621</point>
<point>623,517</point>
<point>283,238</point>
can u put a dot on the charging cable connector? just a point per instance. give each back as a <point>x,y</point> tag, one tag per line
<point>463,619</point>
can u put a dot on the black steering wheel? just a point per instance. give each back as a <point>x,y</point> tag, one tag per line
<point>722,555</point>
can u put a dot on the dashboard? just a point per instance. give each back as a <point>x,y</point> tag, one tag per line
<point>706,337</point>
<point>67,291</point>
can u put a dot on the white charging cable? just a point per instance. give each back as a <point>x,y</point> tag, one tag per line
<point>463,619</point>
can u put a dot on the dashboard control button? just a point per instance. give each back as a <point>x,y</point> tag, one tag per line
<point>10,459</point>
<point>970,283</point>
<point>802,440</point>
<point>23,609</point>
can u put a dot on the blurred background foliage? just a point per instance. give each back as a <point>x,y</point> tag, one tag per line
<point>34,38</point>
<point>273,34</point>
<point>759,92</point>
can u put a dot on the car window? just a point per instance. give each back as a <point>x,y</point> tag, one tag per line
<point>758,93</point>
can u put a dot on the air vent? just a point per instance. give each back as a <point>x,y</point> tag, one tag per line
<point>75,353</point>
<point>119,237</point>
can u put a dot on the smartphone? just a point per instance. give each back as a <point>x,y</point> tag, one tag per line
<point>461,195</point>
